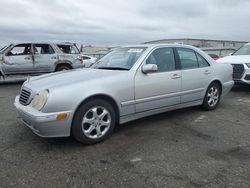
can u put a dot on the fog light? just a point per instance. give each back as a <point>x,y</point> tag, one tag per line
<point>62,117</point>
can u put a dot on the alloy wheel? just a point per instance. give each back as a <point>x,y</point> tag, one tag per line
<point>213,96</point>
<point>96,122</point>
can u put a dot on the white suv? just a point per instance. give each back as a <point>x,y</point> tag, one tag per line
<point>241,64</point>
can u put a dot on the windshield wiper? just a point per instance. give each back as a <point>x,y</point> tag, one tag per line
<point>113,68</point>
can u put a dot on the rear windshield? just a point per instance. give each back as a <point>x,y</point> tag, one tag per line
<point>68,49</point>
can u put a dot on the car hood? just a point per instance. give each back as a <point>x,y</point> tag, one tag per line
<point>66,78</point>
<point>235,59</point>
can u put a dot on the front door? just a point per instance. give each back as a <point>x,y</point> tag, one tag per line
<point>18,60</point>
<point>159,89</point>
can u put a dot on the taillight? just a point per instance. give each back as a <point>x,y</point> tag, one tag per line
<point>80,58</point>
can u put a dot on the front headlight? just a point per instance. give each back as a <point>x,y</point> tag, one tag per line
<point>40,100</point>
<point>248,65</point>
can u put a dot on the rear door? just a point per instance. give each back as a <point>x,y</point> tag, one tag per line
<point>44,58</point>
<point>18,60</point>
<point>196,75</point>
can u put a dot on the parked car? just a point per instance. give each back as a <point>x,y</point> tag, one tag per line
<point>38,58</point>
<point>128,83</point>
<point>214,56</point>
<point>241,64</point>
<point>88,60</point>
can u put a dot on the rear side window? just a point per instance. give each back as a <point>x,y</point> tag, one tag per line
<point>163,58</point>
<point>43,49</point>
<point>188,58</point>
<point>202,62</point>
<point>68,49</point>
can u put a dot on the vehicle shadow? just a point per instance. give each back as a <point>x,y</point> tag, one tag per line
<point>127,127</point>
<point>11,82</point>
<point>148,121</point>
<point>241,88</point>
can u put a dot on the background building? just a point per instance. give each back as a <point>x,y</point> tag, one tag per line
<point>219,47</point>
<point>202,43</point>
<point>95,51</point>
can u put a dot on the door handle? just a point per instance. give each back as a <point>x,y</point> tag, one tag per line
<point>207,72</point>
<point>53,57</point>
<point>176,76</point>
<point>27,58</point>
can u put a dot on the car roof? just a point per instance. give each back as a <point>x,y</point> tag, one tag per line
<point>159,45</point>
<point>62,43</point>
<point>65,43</point>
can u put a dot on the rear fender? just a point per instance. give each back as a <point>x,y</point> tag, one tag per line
<point>62,62</point>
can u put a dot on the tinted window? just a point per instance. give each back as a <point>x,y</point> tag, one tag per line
<point>163,58</point>
<point>188,58</point>
<point>43,49</point>
<point>21,49</point>
<point>202,62</point>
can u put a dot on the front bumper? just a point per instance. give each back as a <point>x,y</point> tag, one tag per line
<point>44,124</point>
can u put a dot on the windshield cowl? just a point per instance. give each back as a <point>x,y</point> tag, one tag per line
<point>113,68</point>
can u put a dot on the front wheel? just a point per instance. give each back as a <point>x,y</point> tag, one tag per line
<point>93,122</point>
<point>212,97</point>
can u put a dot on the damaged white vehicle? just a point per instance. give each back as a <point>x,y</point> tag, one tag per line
<point>39,58</point>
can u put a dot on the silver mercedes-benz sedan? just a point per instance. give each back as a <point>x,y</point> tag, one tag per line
<point>130,82</point>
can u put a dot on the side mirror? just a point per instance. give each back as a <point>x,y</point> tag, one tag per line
<point>149,68</point>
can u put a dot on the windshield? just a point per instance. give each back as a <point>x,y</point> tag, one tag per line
<point>120,58</point>
<point>244,50</point>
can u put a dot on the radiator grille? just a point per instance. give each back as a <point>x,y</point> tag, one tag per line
<point>238,71</point>
<point>24,97</point>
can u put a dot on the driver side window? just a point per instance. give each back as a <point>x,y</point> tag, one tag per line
<point>21,49</point>
<point>163,58</point>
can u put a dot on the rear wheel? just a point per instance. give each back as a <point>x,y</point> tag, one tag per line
<point>94,121</point>
<point>63,68</point>
<point>212,97</point>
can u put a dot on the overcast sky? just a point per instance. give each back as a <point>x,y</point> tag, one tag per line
<point>115,22</point>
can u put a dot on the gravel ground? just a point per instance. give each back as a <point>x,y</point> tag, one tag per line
<point>183,148</point>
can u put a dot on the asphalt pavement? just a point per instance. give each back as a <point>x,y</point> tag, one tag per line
<point>183,148</point>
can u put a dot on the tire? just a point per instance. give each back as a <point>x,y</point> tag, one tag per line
<point>63,68</point>
<point>94,121</point>
<point>212,97</point>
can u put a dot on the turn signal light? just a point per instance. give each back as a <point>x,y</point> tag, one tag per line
<point>61,117</point>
